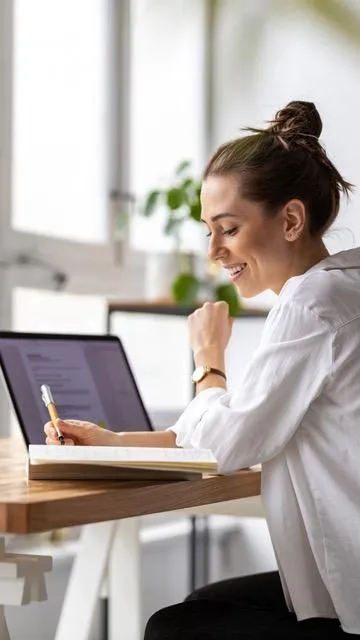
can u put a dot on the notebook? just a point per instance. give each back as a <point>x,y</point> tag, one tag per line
<point>147,463</point>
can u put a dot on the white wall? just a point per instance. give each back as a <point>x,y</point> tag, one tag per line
<point>267,53</point>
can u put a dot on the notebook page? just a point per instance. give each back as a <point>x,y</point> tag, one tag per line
<point>56,453</point>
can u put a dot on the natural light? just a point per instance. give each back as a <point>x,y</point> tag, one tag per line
<point>60,115</point>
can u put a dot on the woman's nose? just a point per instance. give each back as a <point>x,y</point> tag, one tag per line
<point>215,248</point>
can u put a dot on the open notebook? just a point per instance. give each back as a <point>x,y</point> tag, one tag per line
<point>53,462</point>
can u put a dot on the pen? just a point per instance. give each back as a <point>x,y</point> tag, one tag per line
<point>49,403</point>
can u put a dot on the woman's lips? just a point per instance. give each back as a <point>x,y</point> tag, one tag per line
<point>235,272</point>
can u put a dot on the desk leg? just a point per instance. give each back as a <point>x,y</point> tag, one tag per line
<point>4,633</point>
<point>124,582</point>
<point>85,581</point>
<point>199,552</point>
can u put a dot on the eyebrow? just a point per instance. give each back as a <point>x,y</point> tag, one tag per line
<point>219,216</point>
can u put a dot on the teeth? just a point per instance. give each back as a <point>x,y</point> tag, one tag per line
<point>234,270</point>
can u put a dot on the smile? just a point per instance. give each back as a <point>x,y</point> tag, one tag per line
<point>236,272</point>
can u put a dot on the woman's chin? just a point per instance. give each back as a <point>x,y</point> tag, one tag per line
<point>247,290</point>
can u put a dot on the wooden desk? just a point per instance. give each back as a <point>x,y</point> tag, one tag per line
<point>42,506</point>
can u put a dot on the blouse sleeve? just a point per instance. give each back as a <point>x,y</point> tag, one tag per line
<point>253,423</point>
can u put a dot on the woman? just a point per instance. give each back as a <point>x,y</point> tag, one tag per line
<point>267,199</point>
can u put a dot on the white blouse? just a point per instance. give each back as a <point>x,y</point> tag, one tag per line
<point>297,411</point>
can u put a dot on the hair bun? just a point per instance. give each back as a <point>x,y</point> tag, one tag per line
<point>297,118</point>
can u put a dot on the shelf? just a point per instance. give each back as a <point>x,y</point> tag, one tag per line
<point>167,307</point>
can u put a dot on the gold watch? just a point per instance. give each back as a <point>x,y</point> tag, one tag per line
<point>201,371</point>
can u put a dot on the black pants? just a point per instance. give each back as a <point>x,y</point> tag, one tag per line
<point>249,608</point>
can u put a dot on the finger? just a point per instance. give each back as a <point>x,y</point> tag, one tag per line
<point>68,441</point>
<point>49,429</point>
<point>63,425</point>
<point>75,422</point>
<point>69,427</point>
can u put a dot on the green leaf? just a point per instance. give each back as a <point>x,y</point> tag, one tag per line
<point>185,289</point>
<point>191,189</point>
<point>175,198</point>
<point>195,210</point>
<point>228,293</point>
<point>173,225</point>
<point>188,185</point>
<point>151,203</point>
<point>185,164</point>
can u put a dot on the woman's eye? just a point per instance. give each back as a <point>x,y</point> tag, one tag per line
<point>230,232</point>
<point>226,232</point>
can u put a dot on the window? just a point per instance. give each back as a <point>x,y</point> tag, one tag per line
<point>60,118</point>
<point>59,126</point>
<point>46,311</point>
<point>167,100</point>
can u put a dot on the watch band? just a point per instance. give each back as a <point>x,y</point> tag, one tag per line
<point>203,370</point>
<point>217,371</point>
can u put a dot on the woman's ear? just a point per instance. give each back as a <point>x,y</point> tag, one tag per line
<point>294,216</point>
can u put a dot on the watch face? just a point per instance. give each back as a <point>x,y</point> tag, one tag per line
<point>199,373</point>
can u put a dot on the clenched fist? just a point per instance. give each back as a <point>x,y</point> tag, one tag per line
<point>209,331</point>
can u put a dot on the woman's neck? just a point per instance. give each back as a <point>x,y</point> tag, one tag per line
<point>303,259</point>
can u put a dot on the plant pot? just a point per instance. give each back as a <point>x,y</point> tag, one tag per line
<point>161,270</point>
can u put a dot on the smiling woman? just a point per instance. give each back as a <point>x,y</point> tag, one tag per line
<point>267,199</point>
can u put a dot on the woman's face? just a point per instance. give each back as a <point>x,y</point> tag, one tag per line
<point>250,246</point>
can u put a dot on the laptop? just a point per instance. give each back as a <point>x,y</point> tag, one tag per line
<point>89,376</point>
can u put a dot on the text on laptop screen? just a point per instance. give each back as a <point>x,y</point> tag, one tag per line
<point>89,379</point>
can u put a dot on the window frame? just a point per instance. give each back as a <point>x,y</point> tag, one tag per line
<point>89,266</point>
<point>33,260</point>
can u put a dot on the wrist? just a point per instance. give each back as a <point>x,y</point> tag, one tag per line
<point>111,439</point>
<point>212,357</point>
<point>210,381</point>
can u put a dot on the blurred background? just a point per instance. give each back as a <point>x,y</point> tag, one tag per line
<point>108,112</point>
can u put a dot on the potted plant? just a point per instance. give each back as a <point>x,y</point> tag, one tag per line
<point>181,203</point>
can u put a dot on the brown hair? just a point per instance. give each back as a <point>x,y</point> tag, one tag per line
<point>285,161</point>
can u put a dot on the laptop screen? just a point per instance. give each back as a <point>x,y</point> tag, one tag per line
<point>89,377</point>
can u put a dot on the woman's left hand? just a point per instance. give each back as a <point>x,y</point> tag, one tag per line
<point>209,331</point>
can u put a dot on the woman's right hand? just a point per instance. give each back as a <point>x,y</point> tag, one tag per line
<point>79,432</point>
